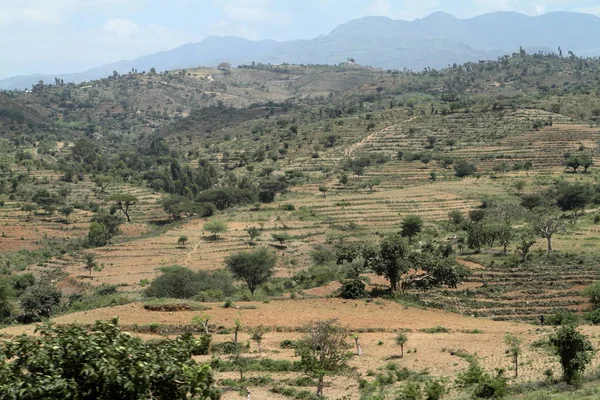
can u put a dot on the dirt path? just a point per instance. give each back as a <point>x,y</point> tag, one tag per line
<point>194,250</point>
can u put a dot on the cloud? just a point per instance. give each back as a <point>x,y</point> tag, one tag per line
<point>253,11</point>
<point>47,11</point>
<point>589,10</point>
<point>122,28</point>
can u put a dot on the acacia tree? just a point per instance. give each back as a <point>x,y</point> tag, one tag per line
<point>124,201</point>
<point>323,351</point>
<point>393,260</point>
<point>547,227</point>
<point>215,227</point>
<point>253,232</point>
<point>254,268</point>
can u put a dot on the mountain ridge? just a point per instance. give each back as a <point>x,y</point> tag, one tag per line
<point>435,41</point>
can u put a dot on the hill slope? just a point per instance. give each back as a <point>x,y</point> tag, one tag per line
<point>435,41</point>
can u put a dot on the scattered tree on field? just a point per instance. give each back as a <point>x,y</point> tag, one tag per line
<point>182,241</point>
<point>90,263</point>
<point>411,226</point>
<point>103,181</point>
<point>323,189</point>
<point>574,351</point>
<point>401,339</point>
<point>356,342</point>
<point>281,237</point>
<point>323,351</point>
<point>29,208</point>
<point>215,227</point>
<point>371,183</point>
<point>393,260</point>
<point>257,334</point>
<point>66,211</point>
<point>98,235</point>
<point>124,202</point>
<point>254,268</point>
<point>253,232</point>
<point>547,227</point>
<point>513,344</point>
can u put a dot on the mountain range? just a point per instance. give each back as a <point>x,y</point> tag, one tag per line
<point>435,41</point>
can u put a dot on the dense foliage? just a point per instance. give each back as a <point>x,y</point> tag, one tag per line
<point>70,362</point>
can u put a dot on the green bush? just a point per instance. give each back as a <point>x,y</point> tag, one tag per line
<point>561,317</point>
<point>182,283</point>
<point>352,289</point>
<point>84,364</point>
<point>40,301</point>
<point>491,388</point>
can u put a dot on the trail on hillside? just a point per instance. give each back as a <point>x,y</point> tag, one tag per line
<point>194,250</point>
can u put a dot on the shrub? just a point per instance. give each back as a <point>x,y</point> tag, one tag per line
<point>593,292</point>
<point>463,168</point>
<point>412,391</point>
<point>491,388</point>
<point>575,352</point>
<point>434,390</point>
<point>352,289</point>
<point>182,283</point>
<point>164,368</point>
<point>561,317</point>
<point>40,300</point>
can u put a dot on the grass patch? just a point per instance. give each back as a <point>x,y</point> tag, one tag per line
<point>171,305</point>
<point>435,329</point>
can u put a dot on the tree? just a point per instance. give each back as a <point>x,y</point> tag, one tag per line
<point>547,227</point>
<point>254,268</point>
<point>323,189</point>
<point>573,196</point>
<point>393,260</point>
<point>40,300</point>
<point>593,292</point>
<point>519,185</point>
<point>432,140</point>
<point>257,334</point>
<point>513,344</point>
<point>281,237</point>
<point>451,142</point>
<point>323,351</point>
<point>182,241</point>
<point>98,235</point>
<point>102,362</point>
<point>124,202</point>
<point>574,351</point>
<point>29,208</point>
<point>371,183</point>
<point>6,293</point>
<point>253,232</point>
<point>475,236</point>
<point>574,162</point>
<point>524,247</point>
<point>90,263</point>
<point>401,339</point>
<point>66,211</point>
<point>586,161</point>
<point>463,168</point>
<point>215,227</point>
<point>103,181</point>
<point>411,227</point>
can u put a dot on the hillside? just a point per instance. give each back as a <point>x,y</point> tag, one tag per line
<point>435,41</point>
<point>131,195</point>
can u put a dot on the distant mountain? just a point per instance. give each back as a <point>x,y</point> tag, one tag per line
<point>434,41</point>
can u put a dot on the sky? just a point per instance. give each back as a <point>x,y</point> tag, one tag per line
<point>61,36</point>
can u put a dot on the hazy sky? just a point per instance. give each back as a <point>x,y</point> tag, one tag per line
<point>52,36</point>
